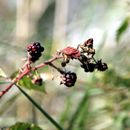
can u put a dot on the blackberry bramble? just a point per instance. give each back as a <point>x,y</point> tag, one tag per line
<point>88,62</point>
<point>34,51</point>
<point>84,53</point>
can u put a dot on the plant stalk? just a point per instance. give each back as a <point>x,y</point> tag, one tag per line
<point>78,110</point>
<point>40,109</point>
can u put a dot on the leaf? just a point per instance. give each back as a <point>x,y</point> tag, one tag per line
<point>122,29</point>
<point>2,73</point>
<point>24,126</point>
<point>27,83</point>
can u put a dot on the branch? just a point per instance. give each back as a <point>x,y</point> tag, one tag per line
<point>28,70</point>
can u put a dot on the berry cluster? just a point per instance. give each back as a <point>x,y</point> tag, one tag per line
<point>83,53</point>
<point>88,62</point>
<point>34,51</point>
<point>68,78</point>
<point>90,67</point>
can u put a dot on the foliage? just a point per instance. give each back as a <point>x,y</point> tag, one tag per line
<point>27,83</point>
<point>98,101</point>
<point>24,126</point>
<point>123,27</point>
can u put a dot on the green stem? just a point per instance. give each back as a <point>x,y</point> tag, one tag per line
<point>83,117</point>
<point>78,110</point>
<point>41,109</point>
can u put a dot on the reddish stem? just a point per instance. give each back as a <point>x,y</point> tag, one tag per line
<point>26,71</point>
<point>6,90</point>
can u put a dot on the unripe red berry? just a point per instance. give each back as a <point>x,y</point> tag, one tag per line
<point>37,80</point>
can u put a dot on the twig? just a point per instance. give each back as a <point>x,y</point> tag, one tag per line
<point>58,69</point>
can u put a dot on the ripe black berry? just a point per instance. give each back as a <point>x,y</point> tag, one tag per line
<point>34,51</point>
<point>88,67</point>
<point>83,58</point>
<point>68,79</point>
<point>63,64</point>
<point>101,66</point>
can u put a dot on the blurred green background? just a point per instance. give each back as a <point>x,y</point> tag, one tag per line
<point>99,100</point>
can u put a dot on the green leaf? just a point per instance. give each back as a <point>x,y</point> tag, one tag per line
<point>27,83</point>
<point>24,126</point>
<point>2,73</point>
<point>122,29</point>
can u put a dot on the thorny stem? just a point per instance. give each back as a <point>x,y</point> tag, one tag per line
<point>14,81</point>
<point>47,62</point>
<point>28,70</point>
<point>6,90</point>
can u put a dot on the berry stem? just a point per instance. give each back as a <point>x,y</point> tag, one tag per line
<point>6,90</point>
<point>47,62</point>
<point>94,60</point>
<point>58,69</point>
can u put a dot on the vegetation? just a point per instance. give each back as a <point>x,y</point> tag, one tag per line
<point>64,85</point>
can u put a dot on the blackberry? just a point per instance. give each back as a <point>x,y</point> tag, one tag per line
<point>91,67</point>
<point>63,64</point>
<point>101,66</point>
<point>34,51</point>
<point>68,79</point>
<point>88,67</point>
